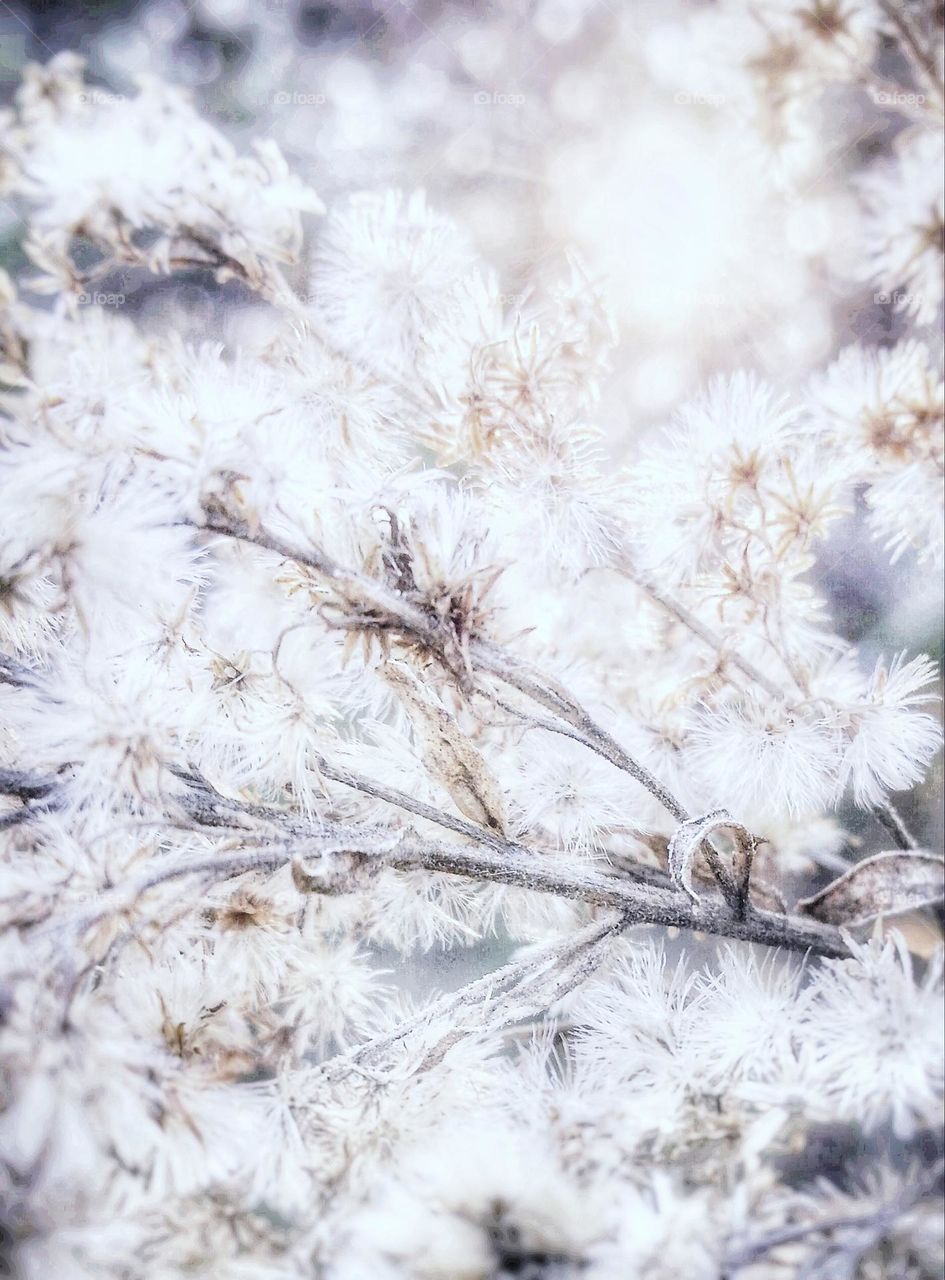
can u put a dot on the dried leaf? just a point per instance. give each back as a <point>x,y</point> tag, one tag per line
<point>331,871</point>
<point>341,866</point>
<point>448,754</point>
<point>885,884</point>
<point>687,841</point>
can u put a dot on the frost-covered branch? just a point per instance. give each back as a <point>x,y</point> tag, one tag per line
<point>642,903</point>
<point>518,990</point>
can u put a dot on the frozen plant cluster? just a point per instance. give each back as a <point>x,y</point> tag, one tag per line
<point>339,640</point>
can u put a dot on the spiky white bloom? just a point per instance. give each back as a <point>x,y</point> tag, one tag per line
<point>696,492</point>
<point>877,1046</point>
<point>884,399</point>
<point>893,739</point>
<point>479,1202</point>
<point>117,734</point>
<point>556,502</point>
<point>642,1047</point>
<point>905,513</point>
<point>902,240</point>
<point>765,761</point>
<point>332,994</point>
<point>396,282</point>
<point>180,176</point>
<point>457,560</point>
<point>191,1008</point>
<point>746,1018</point>
<point>562,791</point>
<point>884,408</point>
<point>662,1233</point>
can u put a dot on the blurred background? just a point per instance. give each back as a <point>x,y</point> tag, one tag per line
<point>719,215</point>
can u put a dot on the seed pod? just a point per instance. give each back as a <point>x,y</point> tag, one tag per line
<point>450,758</point>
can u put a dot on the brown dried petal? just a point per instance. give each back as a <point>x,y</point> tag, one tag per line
<point>885,884</point>
<point>449,756</point>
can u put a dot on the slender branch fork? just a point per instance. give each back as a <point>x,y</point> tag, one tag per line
<point>646,903</point>
<point>572,719</point>
<point>415,623</point>
<point>489,1004</point>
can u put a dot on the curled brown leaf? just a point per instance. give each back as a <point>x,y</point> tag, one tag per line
<point>885,884</point>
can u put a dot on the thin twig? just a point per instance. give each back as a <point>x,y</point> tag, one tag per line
<point>550,695</point>
<point>640,903</point>
<point>923,59</point>
<point>390,795</point>
<point>876,1223</point>
<point>421,625</point>
<point>348,582</point>
<point>889,817</point>
<point>487,1003</point>
<point>698,628</point>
